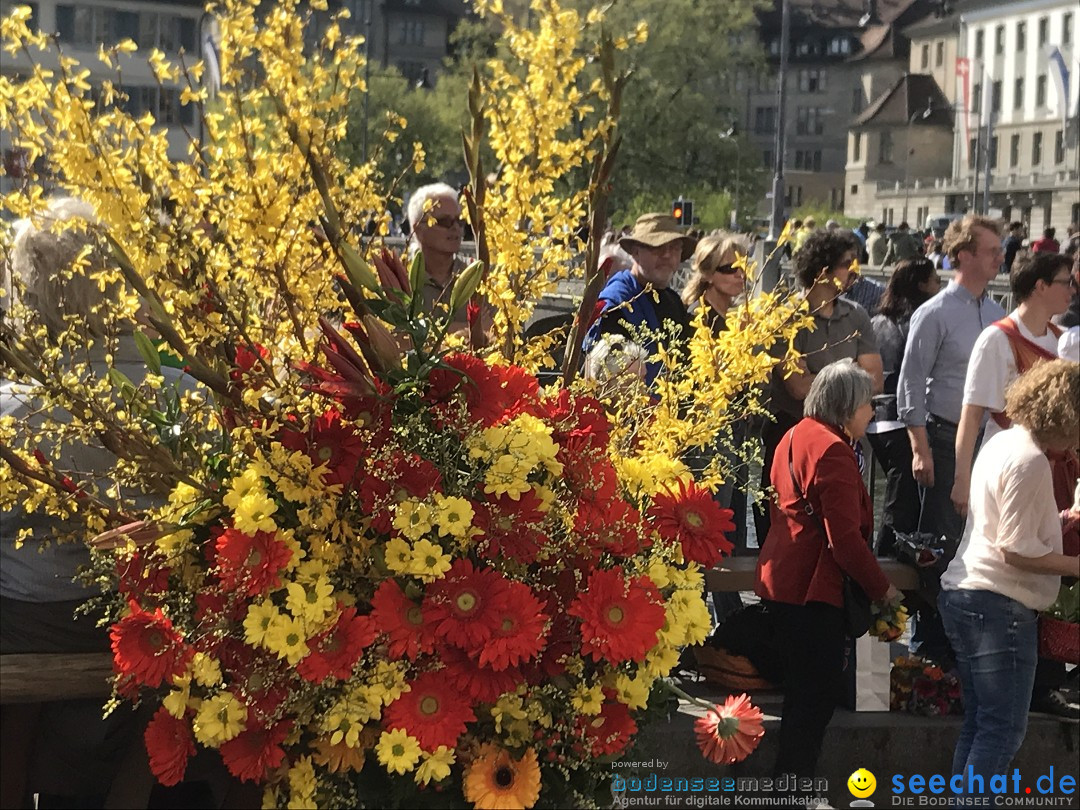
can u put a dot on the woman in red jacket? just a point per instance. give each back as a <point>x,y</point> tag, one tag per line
<point>805,556</point>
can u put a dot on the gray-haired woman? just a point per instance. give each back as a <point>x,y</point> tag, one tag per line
<point>822,519</point>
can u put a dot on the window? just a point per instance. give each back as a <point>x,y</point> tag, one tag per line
<point>856,148</point>
<point>1021,36</point>
<point>1018,93</point>
<point>1036,150</point>
<point>1059,146</point>
<point>808,160</point>
<point>939,54</point>
<point>839,46</point>
<point>163,104</point>
<point>811,80</point>
<point>764,120</point>
<point>999,40</point>
<point>976,99</point>
<point>995,96</point>
<point>1014,151</point>
<point>774,46</point>
<point>411,32</point>
<point>924,62</point>
<point>768,159</point>
<point>980,43</point>
<point>1040,91</point>
<point>1044,30</point>
<point>973,152</point>
<point>1066,29</point>
<point>885,147</point>
<point>857,100</point>
<point>854,189</point>
<point>809,121</point>
<point>992,152</point>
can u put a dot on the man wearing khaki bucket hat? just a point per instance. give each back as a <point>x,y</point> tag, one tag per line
<point>657,248</point>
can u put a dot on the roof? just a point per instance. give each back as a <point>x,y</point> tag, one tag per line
<point>911,95</point>
<point>838,13</point>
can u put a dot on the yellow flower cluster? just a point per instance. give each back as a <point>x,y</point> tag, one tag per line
<point>516,450</point>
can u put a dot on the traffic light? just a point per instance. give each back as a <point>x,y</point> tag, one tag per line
<point>683,211</point>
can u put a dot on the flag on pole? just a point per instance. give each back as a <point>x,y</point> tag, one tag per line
<point>1060,71</point>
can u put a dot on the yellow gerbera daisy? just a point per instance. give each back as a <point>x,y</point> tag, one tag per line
<point>497,781</point>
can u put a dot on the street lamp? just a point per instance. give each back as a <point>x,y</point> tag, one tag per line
<point>923,114</point>
<point>730,136</point>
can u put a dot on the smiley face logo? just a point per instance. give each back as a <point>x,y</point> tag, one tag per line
<point>862,783</point>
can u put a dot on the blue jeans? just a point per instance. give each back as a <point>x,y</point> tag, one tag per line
<point>996,643</point>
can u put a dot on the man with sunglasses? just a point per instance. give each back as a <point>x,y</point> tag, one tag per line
<point>435,219</point>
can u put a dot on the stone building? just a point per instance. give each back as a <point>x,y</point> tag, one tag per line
<point>1032,148</point>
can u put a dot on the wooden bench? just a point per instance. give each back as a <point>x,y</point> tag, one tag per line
<point>42,677</point>
<point>739,574</point>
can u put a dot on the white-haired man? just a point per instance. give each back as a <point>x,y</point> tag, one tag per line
<point>435,219</point>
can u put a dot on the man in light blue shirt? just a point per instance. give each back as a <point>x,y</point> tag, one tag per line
<point>930,390</point>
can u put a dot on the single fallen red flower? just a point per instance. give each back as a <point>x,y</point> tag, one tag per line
<point>728,734</point>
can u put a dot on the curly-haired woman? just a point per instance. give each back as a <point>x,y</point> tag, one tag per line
<point>842,331</point>
<point>1009,565</point>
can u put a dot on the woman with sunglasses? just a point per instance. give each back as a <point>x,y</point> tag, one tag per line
<point>716,282</point>
<point>716,279</point>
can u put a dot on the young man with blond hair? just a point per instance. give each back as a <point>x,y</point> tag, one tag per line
<point>930,391</point>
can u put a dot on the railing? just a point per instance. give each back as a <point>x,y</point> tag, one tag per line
<point>998,182</point>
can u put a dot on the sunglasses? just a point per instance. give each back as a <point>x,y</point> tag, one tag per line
<point>446,222</point>
<point>727,269</point>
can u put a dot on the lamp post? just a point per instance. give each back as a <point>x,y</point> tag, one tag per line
<point>776,219</point>
<point>924,114</point>
<point>730,136</point>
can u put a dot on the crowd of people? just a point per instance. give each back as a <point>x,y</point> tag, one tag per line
<point>925,374</point>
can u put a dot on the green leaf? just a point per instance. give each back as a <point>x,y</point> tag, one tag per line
<point>148,351</point>
<point>417,279</point>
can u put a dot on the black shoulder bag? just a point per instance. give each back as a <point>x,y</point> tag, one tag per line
<point>857,617</point>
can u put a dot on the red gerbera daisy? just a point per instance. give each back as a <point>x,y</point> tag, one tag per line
<point>609,732</point>
<point>170,744</point>
<point>253,752</point>
<point>519,635</point>
<point>146,647</point>
<point>619,618</point>
<point>332,442</point>
<point>142,573</point>
<point>588,473</point>
<point>251,564</point>
<point>463,606</point>
<point>416,475</point>
<point>511,529</point>
<point>402,620</point>
<point>480,684</point>
<point>558,650</point>
<point>612,527</point>
<point>336,651</point>
<point>431,711</point>
<point>693,518</point>
<point>492,392</point>
<point>729,733</point>
<point>578,417</point>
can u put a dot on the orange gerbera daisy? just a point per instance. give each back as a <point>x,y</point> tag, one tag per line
<point>497,781</point>
<point>691,517</point>
<point>730,733</point>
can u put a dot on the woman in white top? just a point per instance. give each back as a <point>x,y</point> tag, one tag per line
<point>1008,567</point>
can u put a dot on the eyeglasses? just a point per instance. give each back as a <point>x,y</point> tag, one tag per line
<point>1068,280</point>
<point>446,222</point>
<point>727,270</point>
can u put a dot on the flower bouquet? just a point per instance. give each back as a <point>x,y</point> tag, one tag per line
<point>889,619</point>
<point>361,564</point>
<point>919,687</point>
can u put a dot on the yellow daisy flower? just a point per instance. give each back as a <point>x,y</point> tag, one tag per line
<point>397,751</point>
